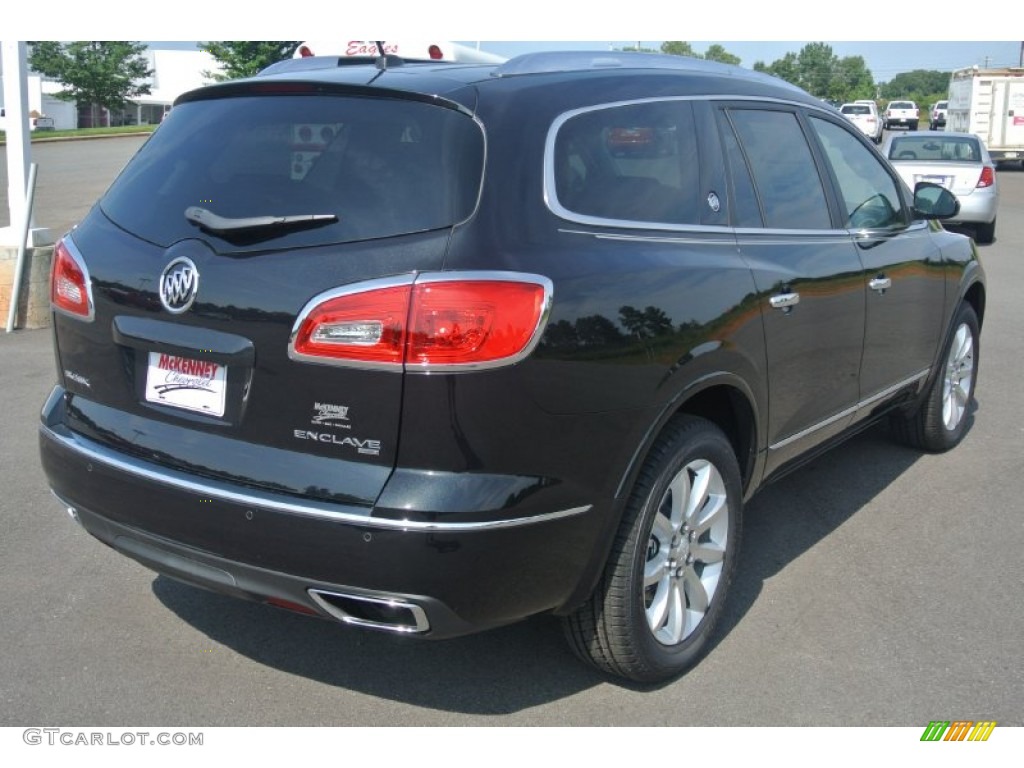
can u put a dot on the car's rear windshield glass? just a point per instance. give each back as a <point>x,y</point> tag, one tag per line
<point>941,150</point>
<point>381,166</point>
<point>856,109</point>
<point>901,105</point>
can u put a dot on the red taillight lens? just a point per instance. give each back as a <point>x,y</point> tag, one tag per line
<point>305,51</point>
<point>435,52</point>
<point>438,323</point>
<point>363,327</point>
<point>69,283</point>
<point>988,176</point>
<point>472,322</point>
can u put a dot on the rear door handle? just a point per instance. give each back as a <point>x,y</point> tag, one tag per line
<point>784,300</point>
<point>880,284</point>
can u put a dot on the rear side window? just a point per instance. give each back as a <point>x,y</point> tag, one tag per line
<point>788,186</point>
<point>382,167</point>
<point>630,163</point>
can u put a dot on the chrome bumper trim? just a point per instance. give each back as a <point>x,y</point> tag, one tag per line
<point>92,451</point>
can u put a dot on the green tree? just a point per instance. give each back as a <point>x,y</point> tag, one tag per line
<point>816,64</point>
<point>716,52</point>
<point>852,80</point>
<point>245,58</point>
<point>679,48</point>
<point>105,74</point>
<point>919,86</point>
<point>821,73</point>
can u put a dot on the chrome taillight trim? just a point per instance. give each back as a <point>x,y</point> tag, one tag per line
<point>76,256</point>
<point>426,278</point>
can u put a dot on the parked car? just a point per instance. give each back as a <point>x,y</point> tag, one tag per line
<point>960,163</point>
<point>318,348</point>
<point>901,114</point>
<point>937,119</point>
<point>865,116</point>
<point>36,121</point>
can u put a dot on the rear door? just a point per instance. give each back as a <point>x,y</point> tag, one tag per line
<point>240,213</point>
<point>808,277</point>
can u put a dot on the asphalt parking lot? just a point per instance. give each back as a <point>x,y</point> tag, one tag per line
<point>877,586</point>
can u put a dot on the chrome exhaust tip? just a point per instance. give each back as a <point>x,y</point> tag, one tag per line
<point>383,612</point>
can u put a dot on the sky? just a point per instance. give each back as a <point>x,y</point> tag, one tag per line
<point>892,38</point>
<point>885,59</point>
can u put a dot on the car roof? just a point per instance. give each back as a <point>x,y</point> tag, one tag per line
<point>451,79</point>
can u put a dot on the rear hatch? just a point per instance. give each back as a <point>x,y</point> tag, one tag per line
<point>236,214</point>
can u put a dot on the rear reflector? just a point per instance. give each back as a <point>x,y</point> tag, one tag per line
<point>70,286</point>
<point>439,322</point>
<point>988,176</point>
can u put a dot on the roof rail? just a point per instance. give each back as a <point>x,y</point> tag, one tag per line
<point>568,61</point>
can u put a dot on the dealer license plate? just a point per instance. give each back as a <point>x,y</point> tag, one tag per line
<point>181,382</point>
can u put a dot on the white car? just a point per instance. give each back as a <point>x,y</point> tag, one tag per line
<point>864,114</point>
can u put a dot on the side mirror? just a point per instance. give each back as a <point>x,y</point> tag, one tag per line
<point>932,201</point>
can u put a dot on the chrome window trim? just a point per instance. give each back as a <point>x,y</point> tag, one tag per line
<point>92,451</point>
<point>551,196</point>
<point>849,411</point>
<point>76,256</point>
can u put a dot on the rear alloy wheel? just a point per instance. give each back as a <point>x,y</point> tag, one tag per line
<point>652,613</point>
<point>941,420</point>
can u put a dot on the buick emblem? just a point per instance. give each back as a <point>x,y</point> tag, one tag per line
<point>178,285</point>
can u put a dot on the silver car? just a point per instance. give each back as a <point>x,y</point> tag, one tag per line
<point>957,161</point>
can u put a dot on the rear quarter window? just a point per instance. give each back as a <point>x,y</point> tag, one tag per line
<point>634,163</point>
<point>382,166</point>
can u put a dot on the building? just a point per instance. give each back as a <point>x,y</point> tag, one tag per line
<point>174,73</point>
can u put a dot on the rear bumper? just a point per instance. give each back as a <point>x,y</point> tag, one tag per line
<point>979,207</point>
<point>444,578</point>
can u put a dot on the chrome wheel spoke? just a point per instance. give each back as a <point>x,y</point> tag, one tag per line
<point>716,511</point>
<point>676,624</point>
<point>659,607</point>
<point>655,571</point>
<point>680,492</point>
<point>699,489</point>
<point>708,552</point>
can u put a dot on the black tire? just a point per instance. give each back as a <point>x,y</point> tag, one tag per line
<point>619,629</point>
<point>913,126</point>
<point>985,233</point>
<point>940,421</point>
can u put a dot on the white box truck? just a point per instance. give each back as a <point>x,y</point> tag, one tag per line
<point>990,104</point>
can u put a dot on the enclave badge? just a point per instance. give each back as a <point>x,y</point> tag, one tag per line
<point>178,285</point>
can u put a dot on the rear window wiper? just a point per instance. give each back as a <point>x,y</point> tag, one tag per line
<point>211,222</point>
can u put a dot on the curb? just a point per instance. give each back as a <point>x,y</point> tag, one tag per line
<point>90,137</point>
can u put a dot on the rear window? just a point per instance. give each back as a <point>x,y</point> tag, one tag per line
<point>856,109</point>
<point>382,166</point>
<point>945,150</point>
<point>901,105</point>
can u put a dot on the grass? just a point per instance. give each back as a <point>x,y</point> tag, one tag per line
<point>86,132</point>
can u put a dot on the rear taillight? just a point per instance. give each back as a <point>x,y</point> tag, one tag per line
<point>70,286</point>
<point>305,51</point>
<point>435,322</point>
<point>988,176</point>
<point>435,52</point>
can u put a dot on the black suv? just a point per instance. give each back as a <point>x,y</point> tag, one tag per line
<point>431,348</point>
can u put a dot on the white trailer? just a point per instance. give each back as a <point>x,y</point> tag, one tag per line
<point>990,104</point>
